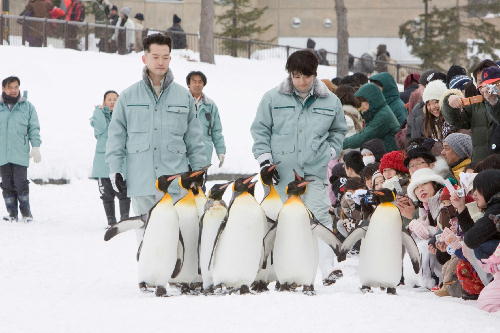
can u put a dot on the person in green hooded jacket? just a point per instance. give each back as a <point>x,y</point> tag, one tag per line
<point>18,128</point>
<point>100,122</point>
<point>391,94</point>
<point>380,121</point>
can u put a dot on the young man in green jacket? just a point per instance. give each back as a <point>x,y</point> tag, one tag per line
<point>153,130</point>
<point>301,125</point>
<point>391,94</point>
<point>18,128</point>
<point>208,116</point>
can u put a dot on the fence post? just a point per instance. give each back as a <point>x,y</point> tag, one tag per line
<point>66,34</point>
<point>2,26</point>
<point>24,31</point>
<point>249,48</point>
<point>45,33</point>
<point>287,51</point>
<point>87,37</point>
<point>398,66</point>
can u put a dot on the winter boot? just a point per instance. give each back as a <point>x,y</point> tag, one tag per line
<point>11,205</point>
<point>109,209</point>
<point>124,208</point>
<point>24,207</point>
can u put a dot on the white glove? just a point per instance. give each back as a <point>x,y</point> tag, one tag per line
<point>116,181</point>
<point>35,153</point>
<point>221,159</point>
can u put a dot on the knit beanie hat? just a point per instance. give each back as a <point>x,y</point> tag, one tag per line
<point>434,90</point>
<point>376,147</point>
<point>420,177</point>
<point>454,71</point>
<point>459,81</point>
<point>393,160</point>
<point>461,144</point>
<point>125,11</point>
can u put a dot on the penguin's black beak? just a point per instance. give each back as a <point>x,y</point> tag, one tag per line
<point>252,184</point>
<point>226,185</point>
<point>196,173</point>
<point>273,166</point>
<point>249,179</point>
<point>171,178</point>
<point>303,184</point>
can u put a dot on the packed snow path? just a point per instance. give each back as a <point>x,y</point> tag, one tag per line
<point>58,275</point>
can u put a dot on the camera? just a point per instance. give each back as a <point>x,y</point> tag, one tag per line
<point>493,89</point>
<point>460,192</point>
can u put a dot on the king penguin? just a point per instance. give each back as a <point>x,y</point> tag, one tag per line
<point>188,278</point>
<point>272,205</point>
<point>380,261</point>
<point>214,215</point>
<point>161,252</point>
<point>200,198</point>
<point>238,247</point>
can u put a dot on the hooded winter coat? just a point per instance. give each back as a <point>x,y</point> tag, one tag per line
<point>18,128</point>
<point>391,94</point>
<point>300,135</point>
<point>150,136</point>
<point>380,121</point>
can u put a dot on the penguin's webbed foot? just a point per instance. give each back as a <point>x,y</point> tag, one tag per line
<point>144,287</point>
<point>185,288</point>
<point>333,277</point>
<point>391,291</point>
<point>208,291</point>
<point>259,286</point>
<point>283,286</point>
<point>366,289</point>
<point>161,291</point>
<point>244,290</point>
<point>309,290</point>
<point>277,286</point>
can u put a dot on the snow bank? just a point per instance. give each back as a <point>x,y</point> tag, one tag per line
<point>65,85</point>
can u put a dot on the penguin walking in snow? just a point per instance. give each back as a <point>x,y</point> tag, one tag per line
<point>238,246</point>
<point>272,205</point>
<point>212,218</point>
<point>161,252</point>
<point>295,250</point>
<point>380,261</point>
<point>188,278</point>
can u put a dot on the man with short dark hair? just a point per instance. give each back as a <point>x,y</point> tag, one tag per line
<point>208,116</point>
<point>300,125</point>
<point>153,130</point>
<point>353,164</point>
<point>18,128</point>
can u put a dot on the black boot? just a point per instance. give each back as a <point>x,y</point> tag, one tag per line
<point>11,205</point>
<point>124,208</point>
<point>24,207</point>
<point>109,209</point>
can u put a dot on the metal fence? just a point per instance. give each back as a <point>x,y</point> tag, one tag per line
<point>40,32</point>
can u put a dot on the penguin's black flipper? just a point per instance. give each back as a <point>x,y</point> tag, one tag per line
<point>413,252</point>
<point>268,244</point>
<point>219,232</point>
<point>199,241</point>
<point>325,234</point>
<point>355,236</point>
<point>139,251</point>
<point>123,226</point>
<point>180,257</point>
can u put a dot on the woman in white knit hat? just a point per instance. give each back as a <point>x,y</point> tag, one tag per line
<point>425,188</point>
<point>435,126</point>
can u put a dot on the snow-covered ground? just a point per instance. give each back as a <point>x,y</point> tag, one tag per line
<point>58,275</point>
<point>65,85</point>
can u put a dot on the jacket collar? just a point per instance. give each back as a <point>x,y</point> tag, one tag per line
<point>167,80</point>
<point>23,98</point>
<point>461,164</point>
<point>319,88</point>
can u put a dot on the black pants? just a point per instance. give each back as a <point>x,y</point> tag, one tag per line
<point>108,199</point>
<point>15,189</point>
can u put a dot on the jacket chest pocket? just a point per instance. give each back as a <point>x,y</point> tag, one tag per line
<point>283,118</point>
<point>321,119</point>
<point>176,119</point>
<point>138,124</point>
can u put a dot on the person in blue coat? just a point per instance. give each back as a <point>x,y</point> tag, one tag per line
<point>153,130</point>
<point>300,125</point>
<point>100,121</point>
<point>207,114</point>
<point>18,128</point>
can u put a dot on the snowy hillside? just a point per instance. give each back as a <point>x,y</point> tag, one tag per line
<point>65,86</point>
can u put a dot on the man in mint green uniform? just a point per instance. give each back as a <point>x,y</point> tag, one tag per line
<point>300,125</point>
<point>153,130</point>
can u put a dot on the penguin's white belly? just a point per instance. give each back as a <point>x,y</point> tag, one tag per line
<point>239,250</point>
<point>159,247</point>
<point>295,249</point>
<point>380,261</point>
<point>272,207</point>
<point>211,223</point>
<point>190,228</point>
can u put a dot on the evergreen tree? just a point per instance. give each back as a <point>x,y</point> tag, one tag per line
<point>441,44</point>
<point>240,21</point>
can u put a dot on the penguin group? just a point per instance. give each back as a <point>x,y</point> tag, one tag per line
<point>200,244</point>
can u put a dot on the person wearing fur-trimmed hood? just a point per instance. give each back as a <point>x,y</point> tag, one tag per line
<point>300,125</point>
